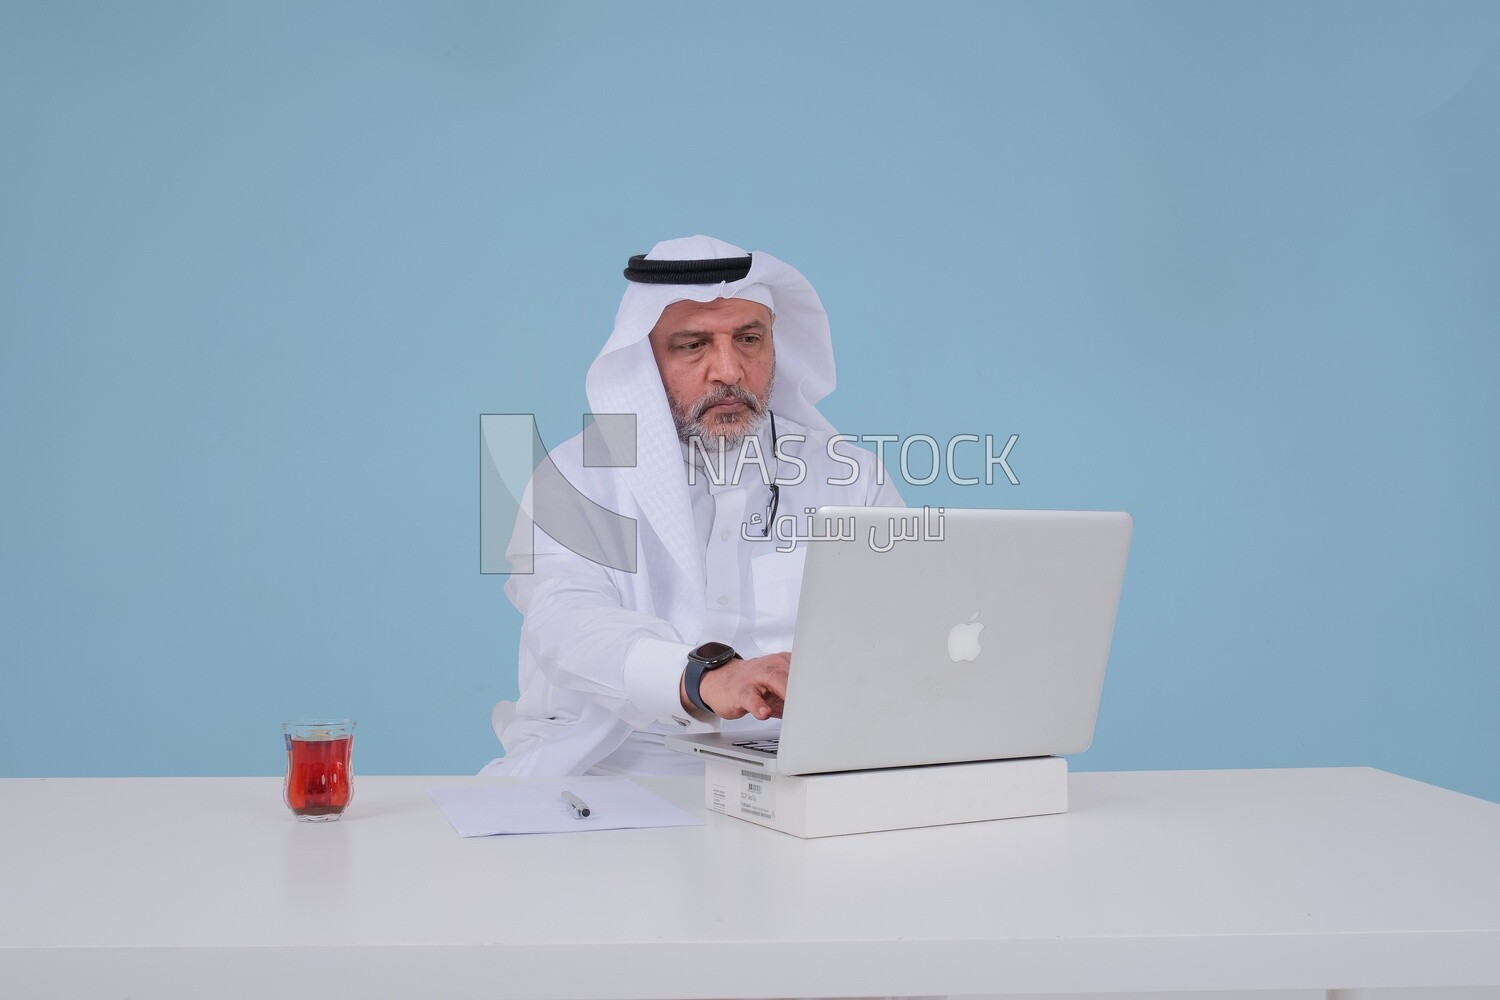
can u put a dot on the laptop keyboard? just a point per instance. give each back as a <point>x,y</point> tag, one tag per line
<point>764,746</point>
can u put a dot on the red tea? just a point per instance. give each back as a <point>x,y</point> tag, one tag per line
<point>318,778</point>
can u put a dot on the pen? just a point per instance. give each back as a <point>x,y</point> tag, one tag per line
<point>580,808</point>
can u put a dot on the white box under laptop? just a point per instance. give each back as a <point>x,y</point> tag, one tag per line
<point>943,660</point>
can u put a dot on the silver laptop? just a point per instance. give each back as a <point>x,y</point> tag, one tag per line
<point>935,635</point>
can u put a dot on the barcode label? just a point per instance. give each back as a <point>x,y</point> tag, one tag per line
<point>757,794</point>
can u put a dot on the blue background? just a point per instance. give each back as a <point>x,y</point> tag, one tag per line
<point>1231,267</point>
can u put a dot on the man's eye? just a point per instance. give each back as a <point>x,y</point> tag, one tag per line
<point>691,345</point>
<point>750,338</point>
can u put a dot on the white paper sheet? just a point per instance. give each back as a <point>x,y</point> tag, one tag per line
<point>614,804</point>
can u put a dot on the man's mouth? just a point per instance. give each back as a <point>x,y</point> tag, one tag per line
<point>722,407</point>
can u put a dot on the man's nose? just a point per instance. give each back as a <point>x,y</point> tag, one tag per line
<point>724,363</point>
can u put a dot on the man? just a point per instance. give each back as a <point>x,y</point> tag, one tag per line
<point>678,616</point>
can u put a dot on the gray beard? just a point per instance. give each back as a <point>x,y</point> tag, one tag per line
<point>691,423</point>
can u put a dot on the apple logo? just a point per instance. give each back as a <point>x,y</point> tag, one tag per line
<point>963,640</point>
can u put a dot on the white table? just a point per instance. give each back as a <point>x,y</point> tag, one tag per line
<point>1229,880</point>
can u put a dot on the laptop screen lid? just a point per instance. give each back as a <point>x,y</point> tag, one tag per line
<point>939,635</point>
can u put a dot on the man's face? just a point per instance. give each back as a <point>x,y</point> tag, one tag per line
<point>717,364</point>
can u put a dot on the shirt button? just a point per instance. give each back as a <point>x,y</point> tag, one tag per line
<point>723,601</point>
<point>724,535</point>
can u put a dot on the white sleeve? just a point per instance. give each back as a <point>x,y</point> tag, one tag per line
<point>583,640</point>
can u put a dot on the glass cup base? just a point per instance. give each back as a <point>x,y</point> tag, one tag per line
<point>327,817</point>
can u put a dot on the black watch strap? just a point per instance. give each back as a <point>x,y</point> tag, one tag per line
<point>709,656</point>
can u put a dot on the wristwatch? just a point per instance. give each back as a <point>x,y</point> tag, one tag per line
<point>709,656</point>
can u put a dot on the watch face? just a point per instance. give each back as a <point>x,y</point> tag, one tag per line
<point>713,652</point>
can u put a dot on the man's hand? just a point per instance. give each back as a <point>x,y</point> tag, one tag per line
<point>746,687</point>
